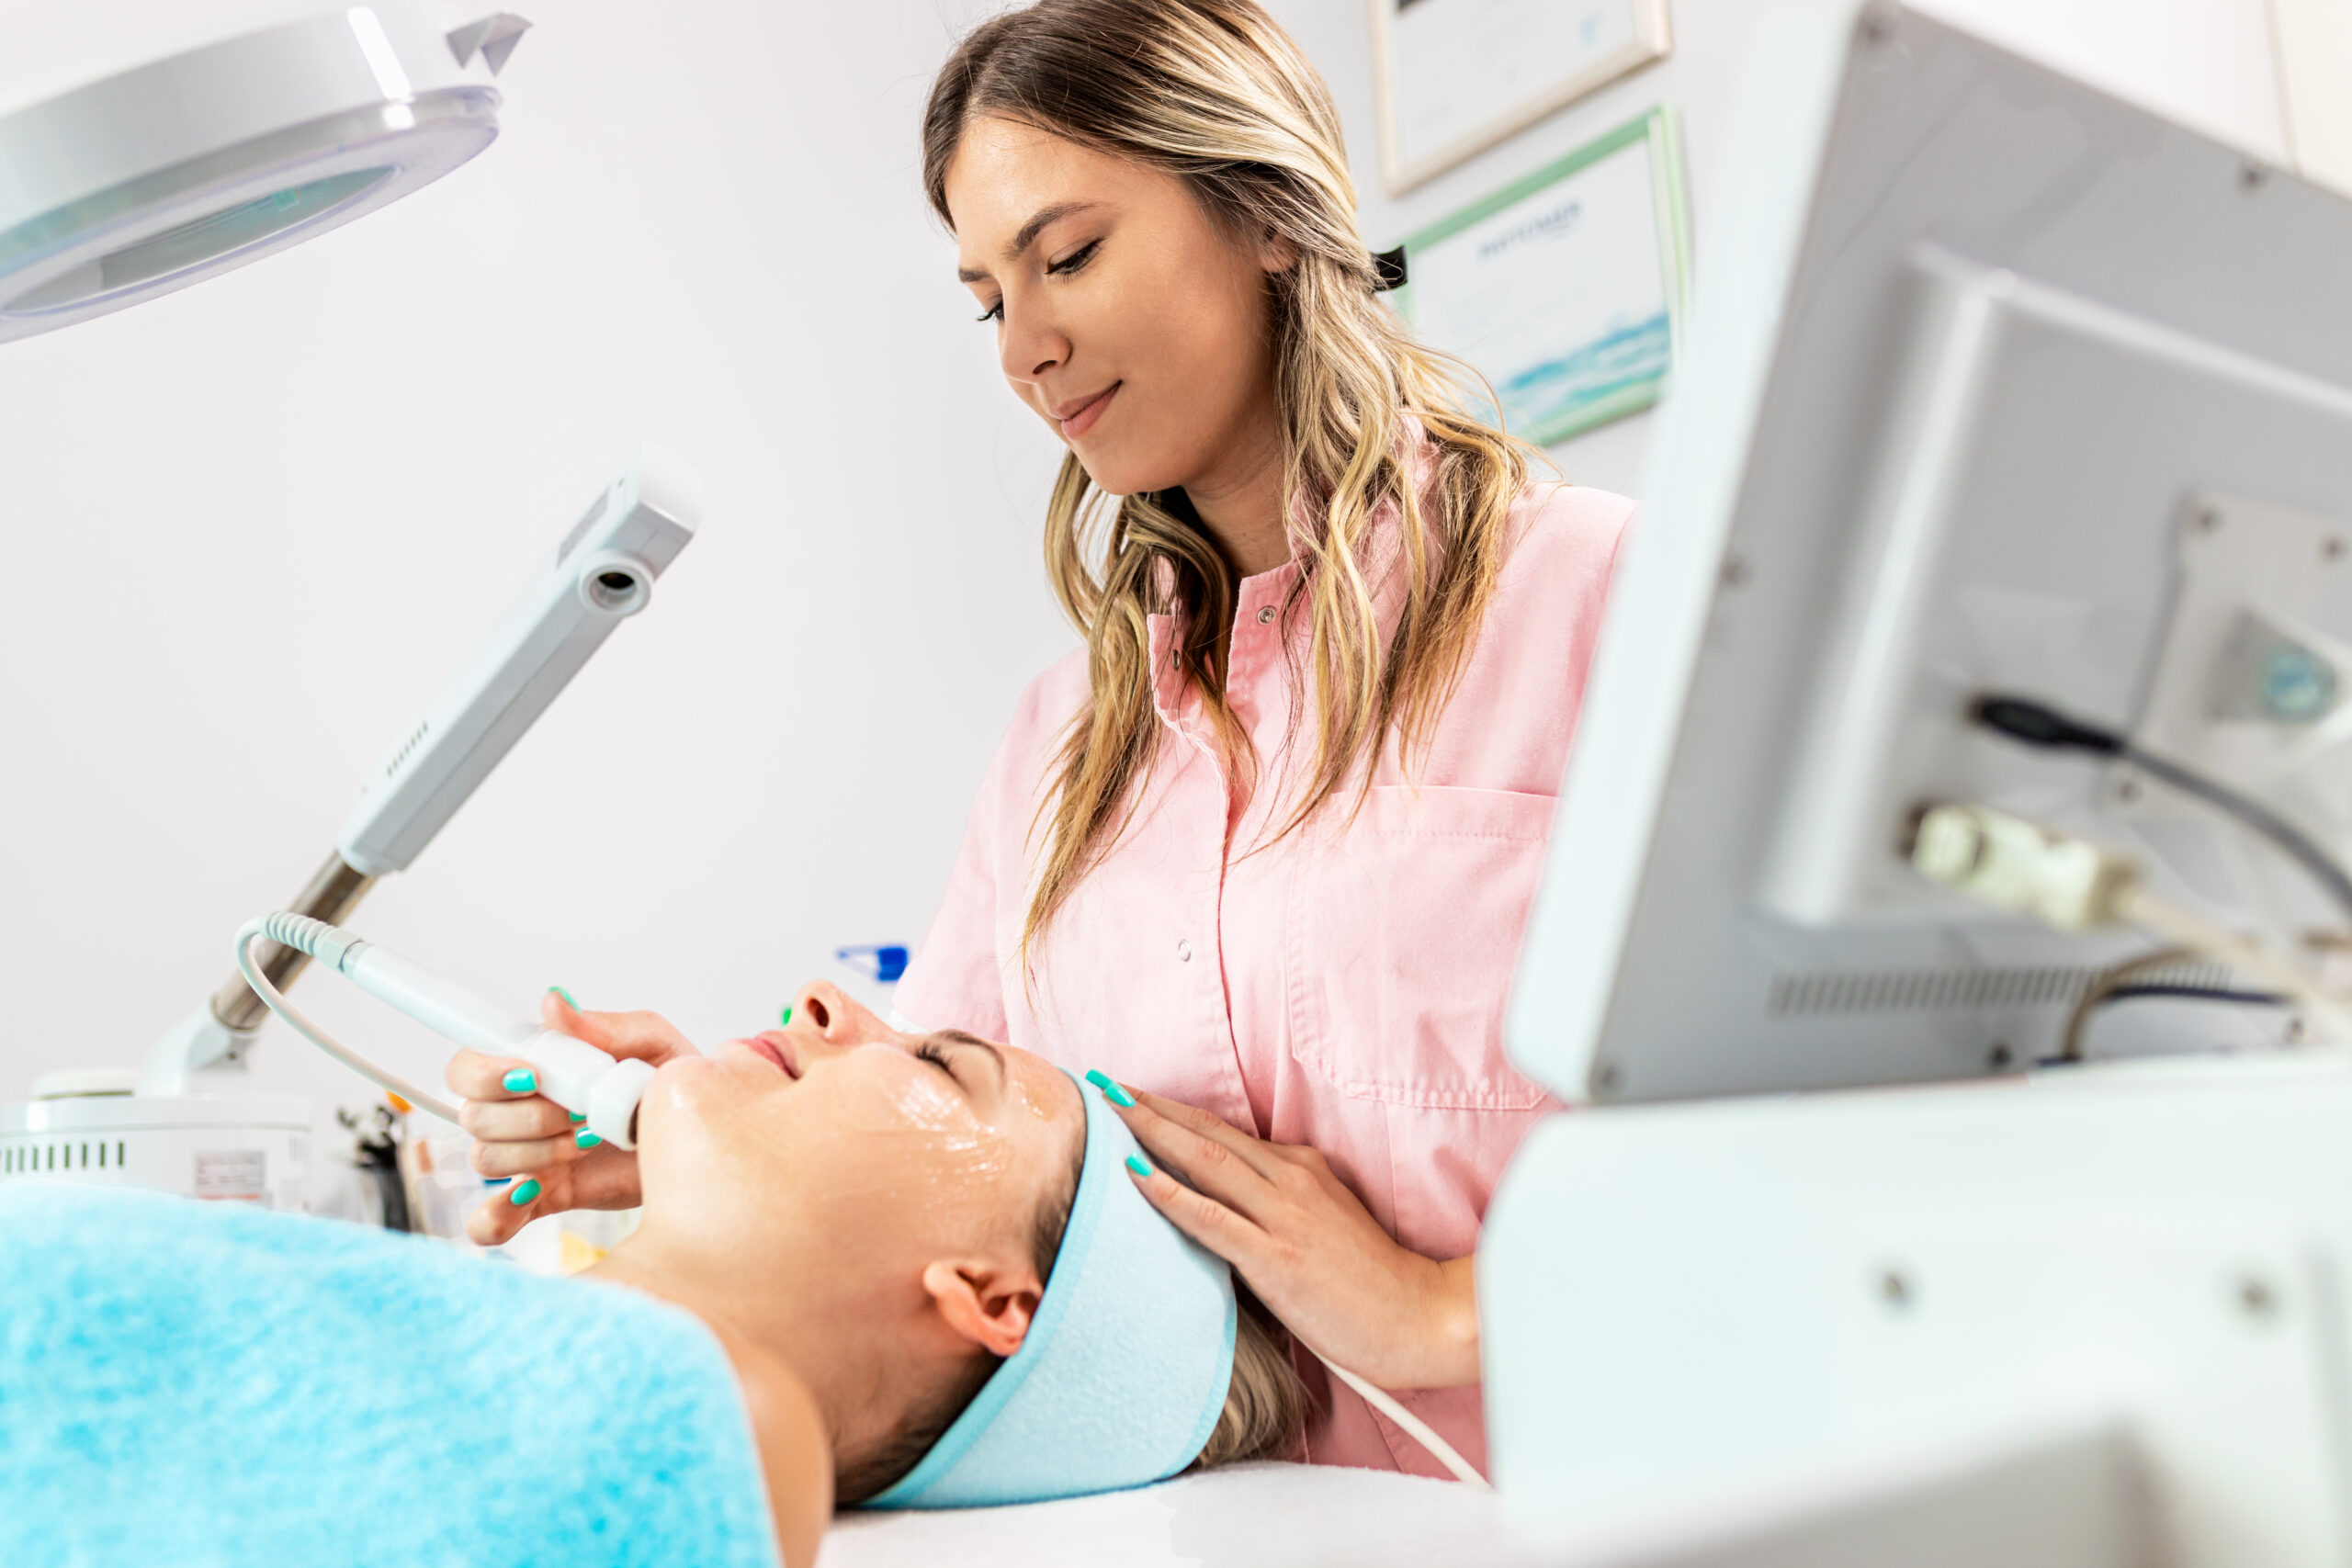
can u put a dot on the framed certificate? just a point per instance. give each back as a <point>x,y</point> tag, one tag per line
<point>1565,290</point>
<point>1456,76</point>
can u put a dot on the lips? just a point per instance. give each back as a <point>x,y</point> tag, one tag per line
<point>776,1049</point>
<point>1078,417</point>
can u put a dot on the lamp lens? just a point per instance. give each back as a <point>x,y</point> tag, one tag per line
<point>199,240</point>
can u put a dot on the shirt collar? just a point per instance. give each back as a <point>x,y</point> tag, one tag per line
<point>1175,698</point>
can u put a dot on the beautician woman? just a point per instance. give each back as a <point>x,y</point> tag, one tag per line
<point>1262,850</point>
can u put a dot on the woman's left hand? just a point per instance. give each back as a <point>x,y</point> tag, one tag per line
<point>1309,1248</point>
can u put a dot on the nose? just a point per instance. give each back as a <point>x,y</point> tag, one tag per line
<point>1031,347</point>
<point>834,1016</point>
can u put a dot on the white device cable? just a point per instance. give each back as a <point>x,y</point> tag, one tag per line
<point>572,1073</point>
<point>2134,905</point>
<point>2074,884</point>
<point>1415,1427</point>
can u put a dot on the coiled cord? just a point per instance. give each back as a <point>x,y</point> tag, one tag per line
<point>329,944</point>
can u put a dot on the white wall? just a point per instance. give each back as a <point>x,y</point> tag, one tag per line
<point>248,527</point>
<point>251,525</point>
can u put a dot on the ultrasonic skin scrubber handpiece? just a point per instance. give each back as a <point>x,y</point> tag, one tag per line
<point>572,1073</point>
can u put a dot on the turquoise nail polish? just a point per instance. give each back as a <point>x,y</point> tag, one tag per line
<point>524,1193</point>
<point>1110,1088</point>
<point>586,1139</point>
<point>522,1080</point>
<point>559,991</point>
<point>1134,1163</point>
<point>576,1117</point>
<point>783,1020</point>
<point>496,1180</point>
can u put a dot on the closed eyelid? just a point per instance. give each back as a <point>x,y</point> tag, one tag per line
<point>957,1038</point>
<point>931,1054</point>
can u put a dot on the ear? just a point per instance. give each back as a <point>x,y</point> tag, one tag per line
<point>1277,254</point>
<point>983,1302</point>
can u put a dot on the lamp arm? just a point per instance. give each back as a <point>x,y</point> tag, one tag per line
<point>601,573</point>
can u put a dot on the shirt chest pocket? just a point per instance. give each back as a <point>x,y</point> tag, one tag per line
<point>1401,937</point>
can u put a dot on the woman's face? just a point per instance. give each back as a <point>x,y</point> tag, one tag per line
<point>1125,316</point>
<point>841,1129</point>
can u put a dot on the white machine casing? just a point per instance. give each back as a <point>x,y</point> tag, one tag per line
<point>1993,384</point>
<point>89,1126</point>
<point>2100,1316</point>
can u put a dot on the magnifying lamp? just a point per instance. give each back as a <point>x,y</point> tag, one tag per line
<point>129,187</point>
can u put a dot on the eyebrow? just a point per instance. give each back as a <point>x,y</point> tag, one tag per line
<point>957,1037</point>
<point>1038,222</point>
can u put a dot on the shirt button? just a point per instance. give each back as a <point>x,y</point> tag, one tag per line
<point>1266,616</point>
<point>1184,951</point>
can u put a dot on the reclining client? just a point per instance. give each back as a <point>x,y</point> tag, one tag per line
<point>902,1270</point>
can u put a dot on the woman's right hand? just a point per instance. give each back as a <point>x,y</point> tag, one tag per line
<point>522,1135</point>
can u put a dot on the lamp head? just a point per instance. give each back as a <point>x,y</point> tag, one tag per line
<point>138,183</point>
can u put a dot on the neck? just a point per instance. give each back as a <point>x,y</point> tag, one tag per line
<point>648,1261</point>
<point>796,1419</point>
<point>790,1320</point>
<point>1241,502</point>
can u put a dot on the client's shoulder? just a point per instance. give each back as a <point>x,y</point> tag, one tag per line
<point>795,1453</point>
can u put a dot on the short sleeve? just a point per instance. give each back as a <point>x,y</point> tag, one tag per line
<point>957,979</point>
<point>954,980</point>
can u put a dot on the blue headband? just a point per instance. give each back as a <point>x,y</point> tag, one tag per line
<point>1123,1374</point>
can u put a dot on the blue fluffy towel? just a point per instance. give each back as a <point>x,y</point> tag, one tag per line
<point>193,1383</point>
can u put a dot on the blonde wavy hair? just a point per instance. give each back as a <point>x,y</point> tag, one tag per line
<point>1215,92</point>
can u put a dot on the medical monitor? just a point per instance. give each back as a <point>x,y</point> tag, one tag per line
<point>1993,385</point>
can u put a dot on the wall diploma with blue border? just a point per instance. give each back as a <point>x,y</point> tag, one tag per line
<point>1565,289</point>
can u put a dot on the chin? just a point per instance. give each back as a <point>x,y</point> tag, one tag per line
<point>1116,472</point>
<point>683,1086</point>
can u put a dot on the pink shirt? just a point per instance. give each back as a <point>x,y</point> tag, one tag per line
<point>1343,990</point>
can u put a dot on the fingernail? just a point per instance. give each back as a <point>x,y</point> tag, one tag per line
<point>496,1180</point>
<point>522,1080</point>
<point>1134,1163</point>
<point>586,1139</point>
<point>784,1019</point>
<point>576,1117</point>
<point>524,1193</point>
<point>559,990</point>
<point>1111,1090</point>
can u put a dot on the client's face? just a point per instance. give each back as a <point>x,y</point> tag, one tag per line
<point>839,1131</point>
